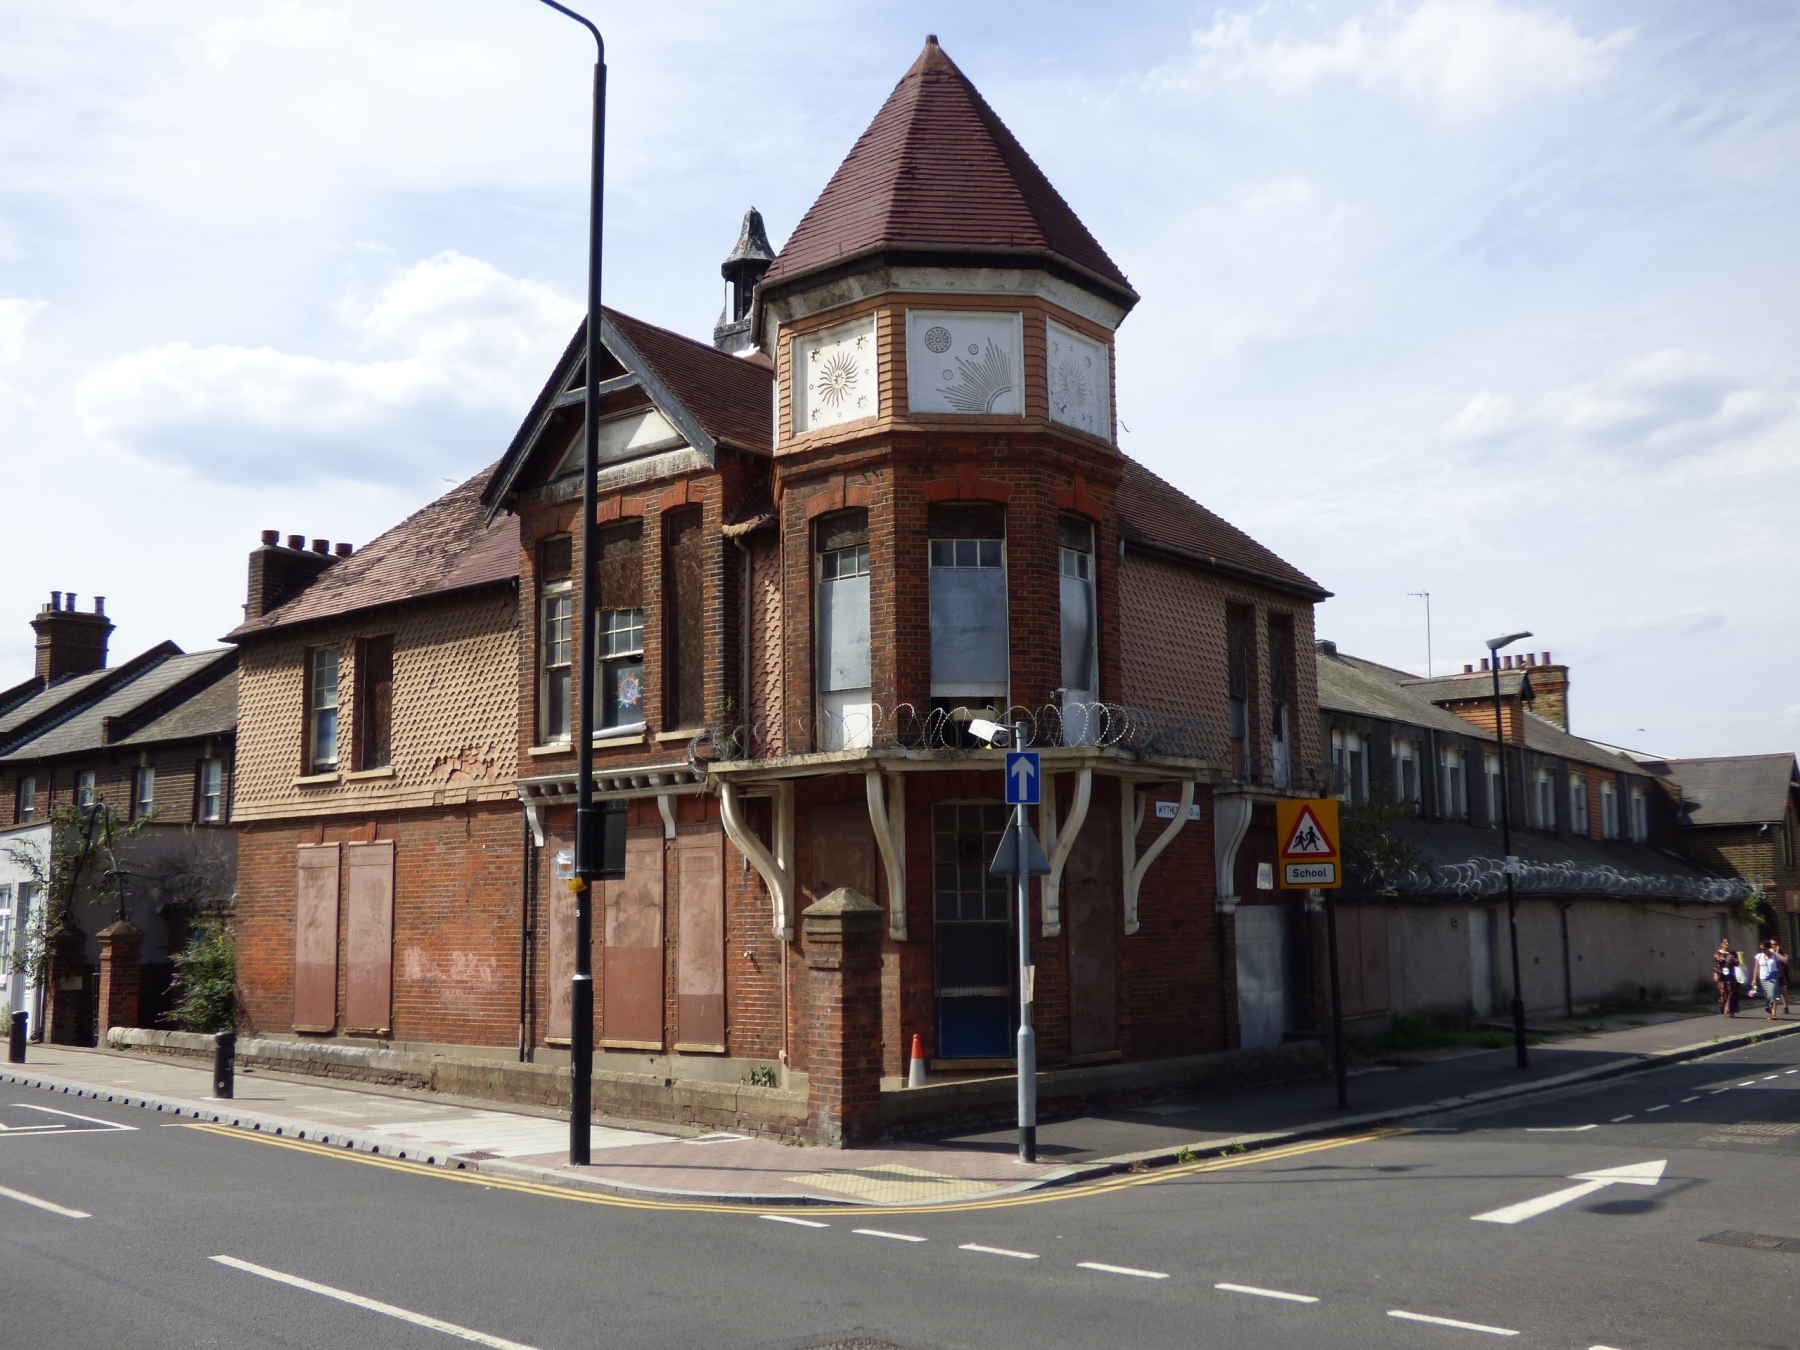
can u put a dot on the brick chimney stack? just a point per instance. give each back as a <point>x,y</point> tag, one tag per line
<point>1550,691</point>
<point>279,574</point>
<point>70,642</point>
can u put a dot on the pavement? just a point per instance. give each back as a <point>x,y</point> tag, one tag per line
<point>656,1161</point>
<point>1648,1211</point>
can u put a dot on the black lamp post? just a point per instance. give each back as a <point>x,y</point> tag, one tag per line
<point>587,820</point>
<point>1512,905</point>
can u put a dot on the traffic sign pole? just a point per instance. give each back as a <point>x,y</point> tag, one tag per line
<point>1026,787</point>
<point>1337,1002</point>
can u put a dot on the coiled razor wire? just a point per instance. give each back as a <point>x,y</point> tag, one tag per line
<point>1480,878</point>
<point>905,726</point>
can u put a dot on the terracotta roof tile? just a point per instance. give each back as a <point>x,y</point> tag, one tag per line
<point>733,398</point>
<point>444,547</point>
<point>1158,514</point>
<point>938,169</point>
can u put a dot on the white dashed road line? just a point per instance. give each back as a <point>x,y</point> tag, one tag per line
<point>1265,1293</point>
<point>997,1251</point>
<point>1616,1120</point>
<point>883,1233</point>
<point>1449,1322</point>
<point>1559,1129</point>
<point>1651,1109</point>
<point>32,1200</point>
<point>1769,1076</point>
<point>386,1309</point>
<point>789,1218</point>
<point>1123,1270</point>
<point>1685,1100</point>
<point>1748,1082</point>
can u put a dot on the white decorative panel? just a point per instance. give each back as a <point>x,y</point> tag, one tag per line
<point>965,361</point>
<point>835,376</point>
<point>1080,383</point>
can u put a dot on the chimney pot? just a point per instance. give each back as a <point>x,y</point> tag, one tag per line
<point>321,546</point>
<point>1484,664</point>
<point>342,550</point>
<point>297,541</point>
<point>100,605</point>
<point>69,601</point>
<point>1468,670</point>
<point>1531,658</point>
<point>271,538</point>
<point>55,599</point>
<point>1546,658</point>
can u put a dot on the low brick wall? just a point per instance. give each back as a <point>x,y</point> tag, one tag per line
<point>680,1101</point>
<point>984,1102</point>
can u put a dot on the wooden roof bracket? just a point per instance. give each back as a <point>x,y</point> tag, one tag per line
<point>777,868</point>
<point>1060,842</point>
<point>1231,821</point>
<point>1131,810</point>
<point>887,815</point>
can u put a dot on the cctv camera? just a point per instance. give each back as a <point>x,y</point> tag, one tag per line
<point>990,733</point>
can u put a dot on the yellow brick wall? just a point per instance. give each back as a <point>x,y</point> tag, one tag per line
<point>455,718</point>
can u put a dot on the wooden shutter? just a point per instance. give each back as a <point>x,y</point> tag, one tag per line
<point>700,933</point>
<point>315,937</point>
<point>632,1000</point>
<point>369,936</point>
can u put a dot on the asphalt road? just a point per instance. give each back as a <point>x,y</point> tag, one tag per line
<point>1361,1231</point>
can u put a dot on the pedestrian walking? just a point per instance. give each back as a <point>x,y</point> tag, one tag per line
<point>1782,957</point>
<point>1768,975</point>
<point>1725,977</point>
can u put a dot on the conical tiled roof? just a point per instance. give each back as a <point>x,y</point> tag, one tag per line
<point>938,170</point>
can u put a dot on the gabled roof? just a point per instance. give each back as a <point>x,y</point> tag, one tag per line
<point>448,546</point>
<point>937,170</point>
<point>1159,516</point>
<point>155,691</point>
<point>1461,688</point>
<point>73,692</point>
<point>210,712</point>
<point>1735,789</point>
<point>712,397</point>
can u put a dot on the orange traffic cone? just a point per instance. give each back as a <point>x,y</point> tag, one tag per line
<point>915,1074</point>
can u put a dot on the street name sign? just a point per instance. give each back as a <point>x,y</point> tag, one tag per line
<point>1308,833</point>
<point>1022,778</point>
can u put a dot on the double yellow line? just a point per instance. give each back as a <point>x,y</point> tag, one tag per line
<point>1103,1186</point>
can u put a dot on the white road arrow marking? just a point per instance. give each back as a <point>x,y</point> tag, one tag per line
<point>1635,1174</point>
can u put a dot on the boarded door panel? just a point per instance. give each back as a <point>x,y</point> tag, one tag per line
<point>559,919</point>
<point>700,961</point>
<point>841,851</point>
<point>315,937</point>
<point>1374,960</point>
<point>633,965</point>
<point>1090,884</point>
<point>369,936</point>
<point>1262,971</point>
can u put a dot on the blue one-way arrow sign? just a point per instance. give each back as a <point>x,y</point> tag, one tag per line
<point>1022,778</point>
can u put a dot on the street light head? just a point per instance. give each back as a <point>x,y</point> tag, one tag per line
<point>1495,644</point>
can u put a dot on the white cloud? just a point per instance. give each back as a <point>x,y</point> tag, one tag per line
<point>458,349</point>
<point>15,317</point>
<point>1465,58</point>
<point>1668,406</point>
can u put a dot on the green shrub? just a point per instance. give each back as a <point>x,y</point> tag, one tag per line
<point>205,981</point>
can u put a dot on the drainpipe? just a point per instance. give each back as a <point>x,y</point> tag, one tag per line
<point>1568,974</point>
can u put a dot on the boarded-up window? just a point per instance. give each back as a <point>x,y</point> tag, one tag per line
<point>315,937</point>
<point>969,651</point>
<point>375,701</point>
<point>619,617</point>
<point>1281,666</point>
<point>633,963</point>
<point>684,593</point>
<point>700,962</point>
<point>621,562</point>
<point>368,936</point>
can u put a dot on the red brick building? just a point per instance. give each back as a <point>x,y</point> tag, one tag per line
<point>889,499</point>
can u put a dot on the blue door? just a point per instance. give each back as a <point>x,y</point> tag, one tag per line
<point>973,933</point>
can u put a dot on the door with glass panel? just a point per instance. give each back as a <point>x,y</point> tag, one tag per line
<point>972,934</point>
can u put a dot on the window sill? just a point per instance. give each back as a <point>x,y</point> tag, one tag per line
<point>317,780</point>
<point>554,748</point>
<point>365,775</point>
<point>607,737</point>
<point>678,735</point>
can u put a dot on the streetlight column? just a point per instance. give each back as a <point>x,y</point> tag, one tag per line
<point>587,818</point>
<point>1520,1053</point>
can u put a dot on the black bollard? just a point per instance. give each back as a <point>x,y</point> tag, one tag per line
<point>15,1043</point>
<point>224,1063</point>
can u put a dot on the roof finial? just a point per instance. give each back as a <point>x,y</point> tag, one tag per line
<point>931,40</point>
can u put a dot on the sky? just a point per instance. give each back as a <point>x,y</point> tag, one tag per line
<point>1490,300</point>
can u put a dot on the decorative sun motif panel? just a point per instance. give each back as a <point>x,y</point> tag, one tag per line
<point>965,361</point>
<point>835,376</point>
<point>1080,383</point>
